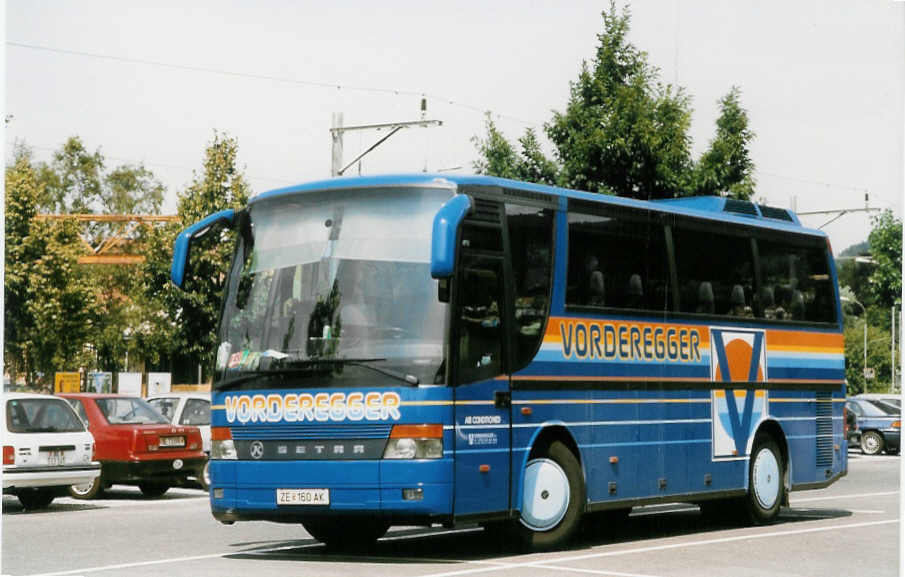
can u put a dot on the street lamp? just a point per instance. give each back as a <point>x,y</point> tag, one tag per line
<point>864,318</point>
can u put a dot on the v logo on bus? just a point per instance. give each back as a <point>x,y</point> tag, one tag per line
<point>736,356</point>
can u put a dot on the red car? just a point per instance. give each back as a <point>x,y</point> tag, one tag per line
<point>136,445</point>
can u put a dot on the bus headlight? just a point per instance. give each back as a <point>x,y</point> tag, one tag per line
<point>415,442</point>
<point>222,445</point>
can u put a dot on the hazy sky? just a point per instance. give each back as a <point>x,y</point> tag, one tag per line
<point>823,81</point>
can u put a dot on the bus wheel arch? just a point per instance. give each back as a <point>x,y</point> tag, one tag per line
<point>768,475</point>
<point>552,490</point>
<point>774,430</point>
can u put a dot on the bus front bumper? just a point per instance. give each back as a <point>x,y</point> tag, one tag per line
<point>413,492</point>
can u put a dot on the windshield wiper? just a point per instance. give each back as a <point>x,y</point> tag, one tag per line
<point>365,363</point>
<point>251,375</point>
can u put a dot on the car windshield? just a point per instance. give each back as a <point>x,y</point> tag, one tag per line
<point>129,411</point>
<point>334,289</point>
<point>872,408</point>
<point>41,416</point>
<point>886,407</point>
<point>166,407</point>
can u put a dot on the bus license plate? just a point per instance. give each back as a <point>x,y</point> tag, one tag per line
<point>303,496</point>
<point>55,458</point>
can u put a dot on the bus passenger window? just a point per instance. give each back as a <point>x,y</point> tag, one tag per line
<point>723,282</point>
<point>797,273</point>
<point>617,261</point>
<point>530,247</point>
<point>479,318</point>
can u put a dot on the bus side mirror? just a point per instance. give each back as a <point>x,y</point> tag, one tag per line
<point>183,244</point>
<point>443,241</point>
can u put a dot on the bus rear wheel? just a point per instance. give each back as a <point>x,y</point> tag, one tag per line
<point>552,498</point>
<point>346,533</point>
<point>765,482</point>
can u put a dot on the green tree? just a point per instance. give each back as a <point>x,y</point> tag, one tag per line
<point>49,299</point>
<point>625,132</point>
<point>622,131</point>
<point>886,248</point>
<point>73,179</point>
<point>192,313</point>
<point>499,157</point>
<point>727,165</point>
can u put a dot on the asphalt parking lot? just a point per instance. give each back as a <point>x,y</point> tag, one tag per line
<point>851,528</point>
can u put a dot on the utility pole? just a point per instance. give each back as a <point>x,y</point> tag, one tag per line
<point>337,168</point>
<point>892,355</point>
<point>839,212</point>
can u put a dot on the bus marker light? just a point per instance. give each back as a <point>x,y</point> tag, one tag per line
<point>614,459</point>
<point>526,411</point>
<point>416,494</point>
<point>484,468</point>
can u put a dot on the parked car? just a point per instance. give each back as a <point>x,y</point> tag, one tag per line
<point>136,445</point>
<point>46,448</point>
<point>189,409</point>
<point>889,399</point>
<point>880,425</point>
<point>852,434</point>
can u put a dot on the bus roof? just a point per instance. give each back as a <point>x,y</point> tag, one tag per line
<point>705,207</point>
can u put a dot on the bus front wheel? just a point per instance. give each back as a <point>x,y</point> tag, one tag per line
<point>552,498</point>
<point>765,482</point>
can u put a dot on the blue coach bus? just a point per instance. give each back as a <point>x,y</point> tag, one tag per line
<point>429,349</point>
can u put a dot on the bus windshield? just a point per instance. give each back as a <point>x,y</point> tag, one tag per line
<point>334,289</point>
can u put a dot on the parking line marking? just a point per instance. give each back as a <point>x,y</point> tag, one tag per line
<point>592,571</point>
<point>854,496</point>
<point>665,547</point>
<point>867,511</point>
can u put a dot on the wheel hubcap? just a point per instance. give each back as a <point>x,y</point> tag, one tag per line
<point>871,444</point>
<point>83,489</point>
<point>765,478</point>
<point>545,498</point>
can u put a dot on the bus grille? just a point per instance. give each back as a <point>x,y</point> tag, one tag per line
<point>312,432</point>
<point>824,429</point>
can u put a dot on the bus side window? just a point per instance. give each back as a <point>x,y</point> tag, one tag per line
<point>722,283</point>
<point>479,318</point>
<point>530,242</point>
<point>800,273</point>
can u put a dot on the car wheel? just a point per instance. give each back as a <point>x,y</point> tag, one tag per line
<point>765,482</point>
<point>88,490</point>
<point>340,533</point>
<point>33,499</point>
<point>552,498</point>
<point>871,443</point>
<point>153,489</point>
<point>204,477</point>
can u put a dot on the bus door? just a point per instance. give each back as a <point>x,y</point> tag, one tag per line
<point>482,396</point>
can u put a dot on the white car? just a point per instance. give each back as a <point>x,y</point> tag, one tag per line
<point>46,449</point>
<point>188,409</point>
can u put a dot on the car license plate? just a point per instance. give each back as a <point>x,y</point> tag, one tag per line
<point>172,441</point>
<point>303,496</point>
<point>55,458</point>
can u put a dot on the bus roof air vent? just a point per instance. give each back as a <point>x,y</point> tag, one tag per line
<point>485,210</point>
<point>740,207</point>
<point>774,212</point>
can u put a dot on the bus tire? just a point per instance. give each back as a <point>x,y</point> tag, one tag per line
<point>346,533</point>
<point>552,499</point>
<point>765,482</point>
